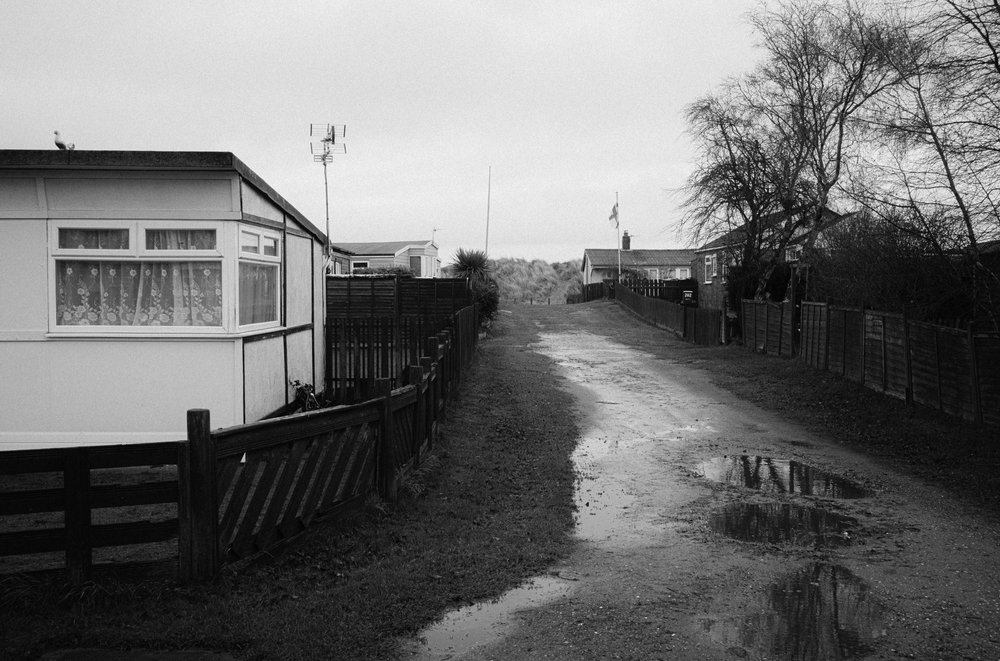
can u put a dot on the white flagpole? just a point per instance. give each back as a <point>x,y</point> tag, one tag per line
<point>618,226</point>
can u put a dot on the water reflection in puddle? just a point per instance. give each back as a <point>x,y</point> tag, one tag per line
<point>777,523</point>
<point>463,630</point>
<point>820,612</point>
<point>778,476</point>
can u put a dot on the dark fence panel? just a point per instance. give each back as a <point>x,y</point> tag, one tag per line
<point>813,342</point>
<point>387,296</point>
<point>88,498</point>
<point>987,361</point>
<point>768,327</point>
<point>952,370</point>
<point>698,325</point>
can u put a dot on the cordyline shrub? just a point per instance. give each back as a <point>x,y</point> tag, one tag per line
<point>475,266</point>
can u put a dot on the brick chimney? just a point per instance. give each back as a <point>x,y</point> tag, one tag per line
<point>626,241</point>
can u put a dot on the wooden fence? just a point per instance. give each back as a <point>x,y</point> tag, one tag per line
<point>768,327</point>
<point>668,290</point>
<point>952,370</point>
<point>595,291</point>
<point>50,500</point>
<point>698,325</point>
<point>354,297</point>
<point>239,491</point>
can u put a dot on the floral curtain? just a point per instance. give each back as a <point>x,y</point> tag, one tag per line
<point>138,293</point>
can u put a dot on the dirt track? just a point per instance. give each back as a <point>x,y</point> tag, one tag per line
<point>671,467</point>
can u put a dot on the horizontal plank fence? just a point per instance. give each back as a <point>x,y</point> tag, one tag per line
<point>67,503</point>
<point>698,325</point>
<point>230,494</point>
<point>952,370</point>
<point>352,296</point>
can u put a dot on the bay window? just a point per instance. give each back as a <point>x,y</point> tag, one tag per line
<point>159,277</point>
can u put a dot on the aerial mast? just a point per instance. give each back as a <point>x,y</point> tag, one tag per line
<point>331,142</point>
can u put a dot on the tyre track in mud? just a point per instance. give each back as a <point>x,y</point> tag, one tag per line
<point>906,571</point>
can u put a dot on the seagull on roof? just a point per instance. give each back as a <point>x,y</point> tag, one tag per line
<point>62,144</point>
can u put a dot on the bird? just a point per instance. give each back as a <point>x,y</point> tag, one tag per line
<point>62,144</point>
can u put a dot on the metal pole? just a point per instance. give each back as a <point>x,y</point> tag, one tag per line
<point>326,190</point>
<point>489,186</point>
<point>618,225</point>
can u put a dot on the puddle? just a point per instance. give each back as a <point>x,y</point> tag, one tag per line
<point>778,476</point>
<point>776,523</point>
<point>820,612</point>
<point>463,630</point>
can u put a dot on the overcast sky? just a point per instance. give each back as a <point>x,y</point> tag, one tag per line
<point>568,101</point>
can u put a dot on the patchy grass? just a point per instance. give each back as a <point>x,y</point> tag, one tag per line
<point>494,508</point>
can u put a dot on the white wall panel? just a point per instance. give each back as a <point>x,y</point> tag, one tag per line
<point>23,279</point>
<point>87,392</point>
<point>264,377</point>
<point>299,282</point>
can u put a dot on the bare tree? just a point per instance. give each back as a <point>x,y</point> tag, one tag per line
<point>933,165</point>
<point>826,60</point>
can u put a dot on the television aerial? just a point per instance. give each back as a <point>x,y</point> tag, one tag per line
<point>331,141</point>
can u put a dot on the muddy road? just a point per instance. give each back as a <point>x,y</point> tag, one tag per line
<point>709,528</point>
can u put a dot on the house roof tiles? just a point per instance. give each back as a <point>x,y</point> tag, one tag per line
<point>608,257</point>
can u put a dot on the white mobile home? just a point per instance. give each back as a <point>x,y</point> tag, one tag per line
<point>137,285</point>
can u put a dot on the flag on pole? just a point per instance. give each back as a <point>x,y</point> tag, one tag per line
<point>614,215</point>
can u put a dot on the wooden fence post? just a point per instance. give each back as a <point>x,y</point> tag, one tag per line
<point>198,507</point>
<point>416,379</point>
<point>906,355</point>
<point>977,408</point>
<point>76,490</point>
<point>430,413</point>
<point>386,471</point>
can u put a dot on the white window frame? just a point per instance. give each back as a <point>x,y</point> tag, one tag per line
<point>793,253</point>
<point>359,265</point>
<point>683,273</point>
<point>258,258</point>
<point>137,252</point>
<point>709,268</point>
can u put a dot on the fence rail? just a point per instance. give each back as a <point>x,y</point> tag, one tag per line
<point>239,491</point>
<point>63,486</point>
<point>698,325</point>
<point>954,371</point>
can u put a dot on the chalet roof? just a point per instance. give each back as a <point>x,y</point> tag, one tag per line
<point>381,248</point>
<point>608,257</point>
<point>737,236</point>
<point>84,159</point>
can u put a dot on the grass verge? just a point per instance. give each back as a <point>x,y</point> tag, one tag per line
<point>493,508</point>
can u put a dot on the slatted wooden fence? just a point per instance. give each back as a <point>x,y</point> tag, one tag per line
<point>67,503</point>
<point>698,325</point>
<point>952,370</point>
<point>768,327</point>
<point>225,495</point>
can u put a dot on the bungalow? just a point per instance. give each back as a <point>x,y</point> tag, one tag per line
<point>138,285</point>
<point>712,261</point>
<point>601,264</point>
<point>421,257</point>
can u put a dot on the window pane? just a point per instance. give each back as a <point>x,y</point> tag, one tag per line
<point>258,293</point>
<point>93,239</point>
<point>137,293</point>
<point>180,239</point>
<point>270,246</point>
<point>249,243</point>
